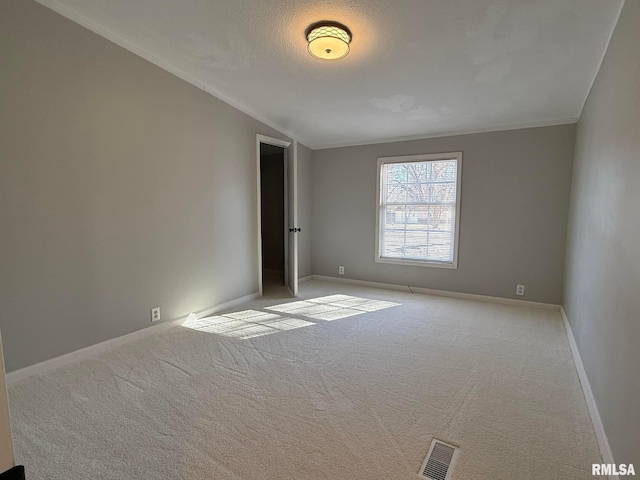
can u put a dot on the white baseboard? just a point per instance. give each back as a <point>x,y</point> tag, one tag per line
<point>363,283</point>
<point>603,441</point>
<point>305,279</point>
<point>440,293</point>
<point>108,345</point>
<point>223,306</point>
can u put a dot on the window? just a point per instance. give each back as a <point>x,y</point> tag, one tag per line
<point>419,209</point>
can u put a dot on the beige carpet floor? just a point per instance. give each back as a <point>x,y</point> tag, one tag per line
<point>342,383</point>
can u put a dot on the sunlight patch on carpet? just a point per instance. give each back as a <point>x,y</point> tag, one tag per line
<point>332,307</point>
<point>245,324</point>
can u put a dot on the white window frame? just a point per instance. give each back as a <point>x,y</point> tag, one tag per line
<point>420,158</point>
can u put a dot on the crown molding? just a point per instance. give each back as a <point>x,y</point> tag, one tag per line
<point>450,133</point>
<point>158,62</point>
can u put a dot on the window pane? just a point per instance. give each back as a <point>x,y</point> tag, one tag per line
<point>395,180</point>
<point>442,192</point>
<point>418,232</point>
<point>418,206</point>
<point>419,182</point>
<point>442,171</point>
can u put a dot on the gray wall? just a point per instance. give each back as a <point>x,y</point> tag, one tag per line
<point>272,203</point>
<point>602,289</point>
<point>514,207</point>
<point>122,187</point>
<point>305,183</point>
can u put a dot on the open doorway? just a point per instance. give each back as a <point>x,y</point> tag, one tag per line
<point>277,215</point>
<point>272,199</point>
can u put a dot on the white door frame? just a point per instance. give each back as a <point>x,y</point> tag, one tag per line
<point>292,211</point>
<point>277,143</point>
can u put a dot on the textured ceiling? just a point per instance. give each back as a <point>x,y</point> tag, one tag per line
<point>416,67</point>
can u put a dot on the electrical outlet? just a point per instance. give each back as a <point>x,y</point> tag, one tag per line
<point>341,270</point>
<point>519,289</point>
<point>155,314</point>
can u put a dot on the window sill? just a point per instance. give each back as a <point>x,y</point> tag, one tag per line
<point>418,263</point>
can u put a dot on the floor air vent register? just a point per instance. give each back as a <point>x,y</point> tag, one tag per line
<point>439,462</point>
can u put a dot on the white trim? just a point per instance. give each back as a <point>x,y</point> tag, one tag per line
<point>222,306</point>
<point>363,283</point>
<point>127,45</point>
<point>428,157</point>
<point>487,298</point>
<point>603,441</point>
<point>604,53</point>
<point>108,345</point>
<point>449,133</point>
<point>292,202</point>
<point>441,293</point>
<point>305,279</point>
<point>276,142</point>
<point>285,215</point>
<point>415,263</point>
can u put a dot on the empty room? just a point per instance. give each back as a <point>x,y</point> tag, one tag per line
<point>339,240</point>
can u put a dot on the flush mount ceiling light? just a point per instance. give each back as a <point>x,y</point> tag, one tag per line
<point>328,40</point>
